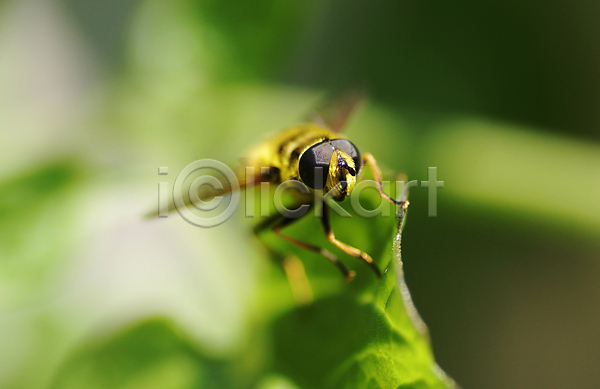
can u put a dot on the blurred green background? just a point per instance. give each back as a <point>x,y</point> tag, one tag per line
<point>96,95</point>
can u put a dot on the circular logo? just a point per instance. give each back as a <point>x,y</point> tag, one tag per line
<point>197,202</point>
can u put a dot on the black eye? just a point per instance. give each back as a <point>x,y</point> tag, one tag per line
<point>349,148</point>
<point>314,165</point>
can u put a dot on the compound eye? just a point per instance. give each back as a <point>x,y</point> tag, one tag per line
<point>349,148</point>
<point>314,165</point>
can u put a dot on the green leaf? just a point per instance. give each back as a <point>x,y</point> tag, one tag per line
<point>150,354</point>
<point>362,334</point>
<point>359,334</point>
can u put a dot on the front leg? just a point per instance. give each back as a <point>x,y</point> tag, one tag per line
<point>277,222</point>
<point>325,221</point>
<point>368,159</point>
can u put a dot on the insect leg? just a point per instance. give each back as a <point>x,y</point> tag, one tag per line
<point>325,221</point>
<point>292,265</point>
<point>369,160</point>
<point>267,223</point>
<point>297,279</point>
<point>348,274</point>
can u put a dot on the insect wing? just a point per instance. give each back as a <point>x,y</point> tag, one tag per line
<point>335,110</point>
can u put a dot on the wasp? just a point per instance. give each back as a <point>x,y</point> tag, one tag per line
<point>319,156</point>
